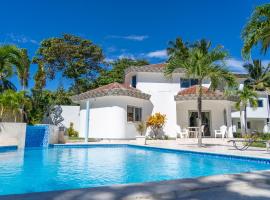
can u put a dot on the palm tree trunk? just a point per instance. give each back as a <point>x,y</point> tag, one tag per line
<point>1,113</point>
<point>242,121</point>
<point>245,119</point>
<point>199,101</point>
<point>15,116</point>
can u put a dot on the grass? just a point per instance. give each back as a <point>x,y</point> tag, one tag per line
<point>258,144</point>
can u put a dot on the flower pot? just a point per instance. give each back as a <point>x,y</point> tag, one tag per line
<point>141,140</point>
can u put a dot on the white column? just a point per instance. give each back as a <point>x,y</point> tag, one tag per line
<point>229,122</point>
<point>87,121</point>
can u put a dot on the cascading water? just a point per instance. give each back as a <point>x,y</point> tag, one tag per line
<point>37,136</point>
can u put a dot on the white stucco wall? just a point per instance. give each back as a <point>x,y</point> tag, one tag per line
<point>108,117</point>
<point>12,134</point>
<point>162,91</point>
<point>255,113</point>
<point>71,114</point>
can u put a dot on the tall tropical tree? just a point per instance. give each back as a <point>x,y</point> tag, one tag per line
<point>8,58</point>
<point>202,63</point>
<point>246,97</point>
<point>23,65</point>
<point>257,30</point>
<point>258,76</point>
<point>117,73</point>
<point>76,58</point>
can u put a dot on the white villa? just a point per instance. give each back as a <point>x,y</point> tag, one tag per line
<point>111,111</point>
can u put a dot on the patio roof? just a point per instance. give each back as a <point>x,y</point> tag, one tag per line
<point>112,89</point>
<point>192,93</point>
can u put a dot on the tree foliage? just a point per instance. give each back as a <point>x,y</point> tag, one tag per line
<point>202,63</point>
<point>246,97</point>
<point>76,58</point>
<point>8,58</point>
<point>258,76</point>
<point>22,64</point>
<point>257,30</point>
<point>117,73</point>
<point>12,102</point>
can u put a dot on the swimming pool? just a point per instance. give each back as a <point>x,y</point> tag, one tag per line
<point>72,167</point>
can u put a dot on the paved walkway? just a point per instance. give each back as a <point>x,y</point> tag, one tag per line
<point>245,186</point>
<point>211,145</point>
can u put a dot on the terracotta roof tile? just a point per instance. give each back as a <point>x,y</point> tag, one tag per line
<point>194,90</point>
<point>112,89</point>
<point>151,68</point>
<point>191,93</point>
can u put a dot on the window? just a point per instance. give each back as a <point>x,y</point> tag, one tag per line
<point>134,81</point>
<point>248,125</point>
<point>238,125</point>
<point>134,114</point>
<point>259,103</point>
<point>185,83</point>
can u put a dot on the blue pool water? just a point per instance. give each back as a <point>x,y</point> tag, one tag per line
<point>60,168</point>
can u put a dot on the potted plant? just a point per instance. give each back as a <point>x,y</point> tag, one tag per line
<point>141,128</point>
<point>156,122</point>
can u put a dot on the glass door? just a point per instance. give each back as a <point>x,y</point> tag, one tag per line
<point>193,122</point>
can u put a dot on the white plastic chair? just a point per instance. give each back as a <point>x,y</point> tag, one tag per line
<point>221,132</point>
<point>183,133</point>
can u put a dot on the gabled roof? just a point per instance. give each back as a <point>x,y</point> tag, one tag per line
<point>151,68</point>
<point>192,93</point>
<point>160,68</point>
<point>112,89</point>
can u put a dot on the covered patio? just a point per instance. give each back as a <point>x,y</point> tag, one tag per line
<point>216,112</point>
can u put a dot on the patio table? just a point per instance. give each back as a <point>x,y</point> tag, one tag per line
<point>193,131</point>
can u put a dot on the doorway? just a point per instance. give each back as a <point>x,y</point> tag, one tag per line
<point>206,122</point>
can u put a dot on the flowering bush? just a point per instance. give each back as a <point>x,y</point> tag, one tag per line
<point>156,122</point>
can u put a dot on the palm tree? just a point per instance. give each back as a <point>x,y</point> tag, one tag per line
<point>246,96</point>
<point>8,57</point>
<point>40,77</point>
<point>258,76</point>
<point>202,63</point>
<point>257,30</point>
<point>23,65</point>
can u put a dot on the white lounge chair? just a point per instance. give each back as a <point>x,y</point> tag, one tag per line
<point>221,132</point>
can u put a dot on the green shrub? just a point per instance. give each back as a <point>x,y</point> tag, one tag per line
<point>71,131</point>
<point>237,135</point>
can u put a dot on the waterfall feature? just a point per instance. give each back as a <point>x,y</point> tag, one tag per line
<point>37,136</point>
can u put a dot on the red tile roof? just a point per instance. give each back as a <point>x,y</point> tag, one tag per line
<point>112,89</point>
<point>195,90</point>
<point>191,93</point>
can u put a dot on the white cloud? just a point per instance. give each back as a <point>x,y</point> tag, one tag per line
<point>232,62</point>
<point>20,39</point>
<point>157,54</point>
<point>127,55</point>
<point>109,60</point>
<point>265,62</point>
<point>130,37</point>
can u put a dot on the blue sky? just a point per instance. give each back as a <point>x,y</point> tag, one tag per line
<point>135,29</point>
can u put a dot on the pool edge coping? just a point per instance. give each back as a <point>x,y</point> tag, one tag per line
<point>177,188</point>
<point>260,159</point>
